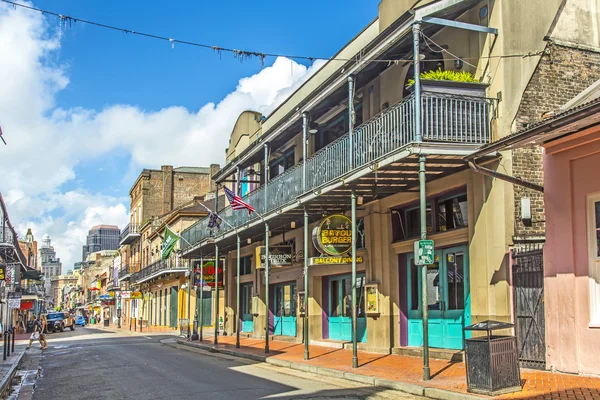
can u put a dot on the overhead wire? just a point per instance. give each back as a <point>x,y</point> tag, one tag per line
<point>246,54</point>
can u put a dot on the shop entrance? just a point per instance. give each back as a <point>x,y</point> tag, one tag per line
<point>448,299</point>
<point>173,307</point>
<point>284,305</point>
<point>204,307</point>
<point>246,308</point>
<point>340,308</point>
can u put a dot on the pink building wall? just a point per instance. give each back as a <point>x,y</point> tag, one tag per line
<point>571,172</point>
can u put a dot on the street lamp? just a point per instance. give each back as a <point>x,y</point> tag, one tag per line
<point>197,279</point>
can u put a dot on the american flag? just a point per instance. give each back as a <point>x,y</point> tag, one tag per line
<point>236,201</point>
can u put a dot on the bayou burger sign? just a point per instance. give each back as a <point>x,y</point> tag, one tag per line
<point>333,235</point>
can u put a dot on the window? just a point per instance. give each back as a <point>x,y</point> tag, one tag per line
<point>246,265</point>
<point>443,214</point>
<point>281,164</point>
<point>593,211</point>
<point>452,213</point>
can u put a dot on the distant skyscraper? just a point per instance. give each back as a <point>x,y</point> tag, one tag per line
<point>101,237</point>
<point>51,266</point>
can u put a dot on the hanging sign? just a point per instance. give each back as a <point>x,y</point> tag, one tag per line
<point>333,235</point>
<point>14,300</point>
<point>333,260</point>
<point>136,296</point>
<point>279,256</point>
<point>26,305</point>
<point>208,274</point>
<point>125,294</point>
<point>2,272</point>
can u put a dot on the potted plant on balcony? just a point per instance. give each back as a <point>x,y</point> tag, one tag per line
<point>460,83</point>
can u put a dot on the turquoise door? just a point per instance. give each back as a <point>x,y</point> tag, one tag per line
<point>340,308</point>
<point>284,309</point>
<point>448,299</point>
<point>246,308</point>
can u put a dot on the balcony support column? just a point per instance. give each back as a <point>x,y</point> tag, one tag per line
<point>237,182</point>
<point>189,295</point>
<point>350,123</point>
<point>201,297</point>
<point>424,305</point>
<point>304,150</point>
<point>267,287</point>
<point>217,264</point>
<point>354,310</point>
<point>305,305</point>
<point>237,284</point>
<point>266,177</point>
<point>416,28</point>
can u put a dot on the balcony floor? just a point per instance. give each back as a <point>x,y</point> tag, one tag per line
<point>396,173</point>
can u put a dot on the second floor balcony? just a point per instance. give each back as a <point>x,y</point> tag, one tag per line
<point>158,268</point>
<point>451,126</point>
<point>129,234</point>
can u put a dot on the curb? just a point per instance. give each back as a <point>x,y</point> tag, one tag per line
<point>418,390</point>
<point>7,379</point>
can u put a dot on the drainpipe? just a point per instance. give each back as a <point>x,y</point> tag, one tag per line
<point>494,174</point>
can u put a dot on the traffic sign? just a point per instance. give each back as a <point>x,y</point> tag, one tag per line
<point>424,250</point>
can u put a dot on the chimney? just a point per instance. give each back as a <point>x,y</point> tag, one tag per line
<point>167,187</point>
<point>214,168</point>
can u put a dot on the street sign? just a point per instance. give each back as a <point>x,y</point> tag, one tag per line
<point>424,250</point>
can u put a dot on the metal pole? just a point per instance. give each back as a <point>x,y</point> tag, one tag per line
<point>189,295</point>
<point>417,67</point>
<point>354,341</point>
<point>5,335</point>
<point>424,305</point>
<point>304,150</point>
<point>237,181</point>
<point>267,286</point>
<point>306,354</point>
<point>351,121</point>
<point>13,339</point>
<point>238,316</point>
<point>215,339</point>
<point>200,327</point>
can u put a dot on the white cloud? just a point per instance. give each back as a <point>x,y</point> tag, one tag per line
<point>45,143</point>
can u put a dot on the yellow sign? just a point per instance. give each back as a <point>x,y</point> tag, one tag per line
<point>333,235</point>
<point>136,295</point>
<point>333,260</point>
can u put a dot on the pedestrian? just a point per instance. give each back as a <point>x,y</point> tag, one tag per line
<point>37,328</point>
<point>43,341</point>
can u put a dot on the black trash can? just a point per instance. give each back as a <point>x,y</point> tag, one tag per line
<point>492,361</point>
<point>106,321</point>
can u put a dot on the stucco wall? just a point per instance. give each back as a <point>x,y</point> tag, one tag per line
<point>570,175</point>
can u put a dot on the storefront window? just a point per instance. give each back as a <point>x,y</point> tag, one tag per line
<point>455,267</point>
<point>414,285</point>
<point>413,222</point>
<point>281,164</point>
<point>246,265</point>
<point>593,211</point>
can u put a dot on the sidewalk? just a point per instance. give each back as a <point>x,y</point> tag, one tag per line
<point>8,368</point>
<point>401,372</point>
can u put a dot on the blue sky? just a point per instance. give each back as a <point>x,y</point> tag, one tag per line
<point>85,110</point>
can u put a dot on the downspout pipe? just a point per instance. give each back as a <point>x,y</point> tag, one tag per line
<point>495,174</point>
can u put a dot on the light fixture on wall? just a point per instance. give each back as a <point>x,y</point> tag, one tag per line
<point>249,241</point>
<point>359,200</point>
<point>313,128</point>
<point>458,63</point>
<point>293,225</point>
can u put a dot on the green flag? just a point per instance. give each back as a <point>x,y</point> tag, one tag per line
<point>169,241</point>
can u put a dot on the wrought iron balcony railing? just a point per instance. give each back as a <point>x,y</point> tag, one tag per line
<point>7,236</point>
<point>129,234</point>
<point>157,267</point>
<point>445,119</point>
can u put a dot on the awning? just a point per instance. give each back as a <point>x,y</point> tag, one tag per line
<point>32,274</point>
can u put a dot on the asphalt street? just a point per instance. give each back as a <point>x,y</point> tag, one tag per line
<point>100,364</point>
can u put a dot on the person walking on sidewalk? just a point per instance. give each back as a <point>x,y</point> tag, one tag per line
<point>44,330</point>
<point>36,333</point>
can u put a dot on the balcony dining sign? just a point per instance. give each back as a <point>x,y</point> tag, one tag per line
<point>208,273</point>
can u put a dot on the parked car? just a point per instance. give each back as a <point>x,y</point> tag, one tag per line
<point>80,320</point>
<point>58,321</point>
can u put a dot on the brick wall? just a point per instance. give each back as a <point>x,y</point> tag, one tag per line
<point>562,74</point>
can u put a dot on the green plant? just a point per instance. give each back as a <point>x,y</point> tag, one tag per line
<point>449,75</point>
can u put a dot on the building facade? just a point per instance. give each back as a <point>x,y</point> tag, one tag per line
<point>157,196</point>
<point>101,237</point>
<point>402,170</point>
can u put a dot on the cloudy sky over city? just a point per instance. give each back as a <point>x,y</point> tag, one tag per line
<point>83,109</point>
